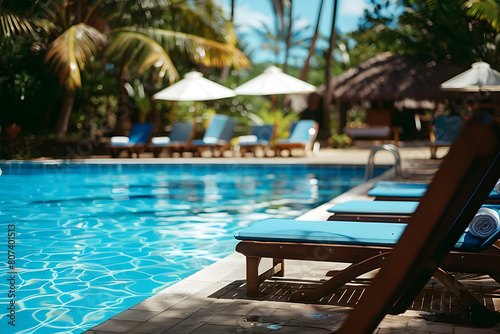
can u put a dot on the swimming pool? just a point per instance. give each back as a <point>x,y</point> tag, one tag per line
<point>91,240</point>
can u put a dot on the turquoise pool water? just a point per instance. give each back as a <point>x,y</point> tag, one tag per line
<point>91,240</point>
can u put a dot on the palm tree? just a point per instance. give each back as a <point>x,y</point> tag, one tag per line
<point>288,38</point>
<point>140,36</point>
<point>328,76</point>
<point>312,47</point>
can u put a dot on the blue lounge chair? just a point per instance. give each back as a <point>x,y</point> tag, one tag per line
<point>134,143</point>
<point>344,241</point>
<point>407,191</point>
<point>379,211</point>
<point>260,137</point>
<point>179,139</point>
<point>302,136</point>
<point>217,136</point>
<point>435,239</point>
<point>446,130</point>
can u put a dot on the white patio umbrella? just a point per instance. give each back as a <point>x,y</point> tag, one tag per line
<point>274,82</point>
<point>194,87</point>
<point>480,76</point>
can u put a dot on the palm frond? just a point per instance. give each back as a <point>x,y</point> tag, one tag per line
<point>72,51</point>
<point>488,10</point>
<point>201,50</point>
<point>141,52</point>
<point>13,24</point>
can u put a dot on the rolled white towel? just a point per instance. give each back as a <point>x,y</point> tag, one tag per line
<point>485,223</point>
<point>119,140</point>
<point>160,140</point>
<point>497,187</point>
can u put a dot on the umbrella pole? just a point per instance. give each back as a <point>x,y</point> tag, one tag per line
<point>273,102</point>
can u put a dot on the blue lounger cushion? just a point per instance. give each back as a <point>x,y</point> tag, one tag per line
<point>341,232</point>
<point>376,207</point>
<point>406,189</point>
<point>383,207</point>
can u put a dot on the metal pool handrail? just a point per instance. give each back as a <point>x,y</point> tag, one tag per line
<point>370,166</point>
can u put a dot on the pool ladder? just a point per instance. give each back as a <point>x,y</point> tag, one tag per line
<point>370,166</point>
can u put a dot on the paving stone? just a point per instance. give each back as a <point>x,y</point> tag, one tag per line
<point>149,328</point>
<point>239,308</point>
<point>431,327</point>
<point>185,327</point>
<point>153,306</point>
<point>469,330</point>
<point>218,329</point>
<point>118,326</point>
<point>135,315</point>
<point>400,331</point>
<point>224,320</point>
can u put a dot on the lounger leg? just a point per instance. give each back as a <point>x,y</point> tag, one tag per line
<point>253,276</point>
<point>433,152</point>
<point>279,263</point>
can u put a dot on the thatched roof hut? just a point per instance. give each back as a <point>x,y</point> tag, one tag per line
<point>406,81</point>
<point>389,77</point>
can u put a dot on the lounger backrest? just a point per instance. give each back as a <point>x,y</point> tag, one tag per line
<point>140,133</point>
<point>228,131</point>
<point>447,128</point>
<point>216,127</point>
<point>263,132</point>
<point>181,132</point>
<point>303,131</point>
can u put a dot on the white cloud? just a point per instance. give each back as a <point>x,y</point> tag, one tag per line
<point>301,23</point>
<point>248,18</point>
<point>352,7</point>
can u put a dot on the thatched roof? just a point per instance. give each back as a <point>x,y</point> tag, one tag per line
<point>393,77</point>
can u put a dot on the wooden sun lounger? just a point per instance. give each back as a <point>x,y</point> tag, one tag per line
<point>179,140</point>
<point>423,250</point>
<point>413,192</point>
<point>217,136</point>
<point>379,211</point>
<point>457,191</point>
<point>302,136</point>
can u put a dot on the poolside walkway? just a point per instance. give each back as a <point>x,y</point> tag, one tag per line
<point>213,300</point>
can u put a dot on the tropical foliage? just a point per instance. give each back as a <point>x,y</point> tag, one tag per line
<point>127,39</point>
<point>462,31</point>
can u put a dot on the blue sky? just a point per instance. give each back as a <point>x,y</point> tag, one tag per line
<point>250,14</point>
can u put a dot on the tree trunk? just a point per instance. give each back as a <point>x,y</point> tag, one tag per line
<point>328,76</point>
<point>123,116</point>
<point>65,113</point>
<point>225,70</point>
<point>312,48</point>
<point>288,38</point>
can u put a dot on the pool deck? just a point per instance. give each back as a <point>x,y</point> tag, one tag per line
<point>214,300</point>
